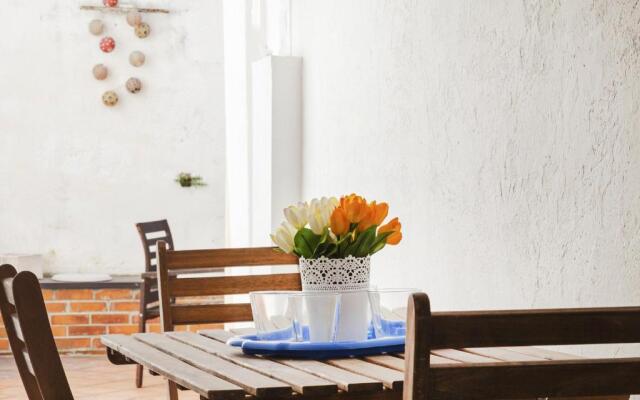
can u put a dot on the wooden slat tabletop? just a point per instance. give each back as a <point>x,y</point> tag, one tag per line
<point>203,363</point>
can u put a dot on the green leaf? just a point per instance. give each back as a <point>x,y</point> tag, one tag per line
<point>365,241</point>
<point>380,242</point>
<point>306,242</point>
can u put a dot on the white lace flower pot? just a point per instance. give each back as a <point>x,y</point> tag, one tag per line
<point>349,277</point>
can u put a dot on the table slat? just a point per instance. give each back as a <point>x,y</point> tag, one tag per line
<point>300,381</point>
<point>503,354</point>
<point>177,371</point>
<point>251,381</point>
<point>390,378</point>
<point>463,356</point>
<point>346,380</point>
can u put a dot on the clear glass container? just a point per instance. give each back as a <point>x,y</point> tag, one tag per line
<point>389,309</point>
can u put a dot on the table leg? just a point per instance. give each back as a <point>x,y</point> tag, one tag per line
<point>172,391</point>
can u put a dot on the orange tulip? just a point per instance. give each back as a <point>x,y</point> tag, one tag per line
<point>356,208</point>
<point>339,221</point>
<point>377,214</point>
<point>393,226</point>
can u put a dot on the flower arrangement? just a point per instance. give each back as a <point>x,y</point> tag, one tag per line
<point>336,229</point>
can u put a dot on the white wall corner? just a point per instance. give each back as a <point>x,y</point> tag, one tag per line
<point>276,142</point>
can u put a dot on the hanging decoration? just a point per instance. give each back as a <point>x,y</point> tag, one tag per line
<point>137,58</point>
<point>142,30</point>
<point>96,27</point>
<point>134,18</point>
<point>134,85</point>
<point>107,44</point>
<point>110,98</point>
<point>100,72</point>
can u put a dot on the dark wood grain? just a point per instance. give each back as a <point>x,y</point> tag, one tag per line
<point>184,314</point>
<point>160,230</point>
<point>226,285</point>
<point>27,325</point>
<point>173,287</point>
<point>536,379</point>
<point>488,373</point>
<point>535,327</point>
<point>239,257</point>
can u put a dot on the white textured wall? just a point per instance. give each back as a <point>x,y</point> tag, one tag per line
<point>505,134</point>
<point>76,175</point>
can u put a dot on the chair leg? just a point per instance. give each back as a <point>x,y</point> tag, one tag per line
<point>139,369</point>
<point>173,391</point>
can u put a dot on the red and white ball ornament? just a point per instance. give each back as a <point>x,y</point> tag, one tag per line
<point>110,3</point>
<point>107,44</point>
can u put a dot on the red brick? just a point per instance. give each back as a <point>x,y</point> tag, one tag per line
<point>125,329</point>
<point>69,319</point>
<point>56,307</point>
<point>96,344</point>
<point>113,294</point>
<point>59,330</point>
<point>3,332</point>
<point>110,318</point>
<point>87,330</point>
<point>74,294</point>
<point>88,306</point>
<point>4,344</point>
<point>155,328</point>
<point>125,306</point>
<point>73,343</point>
<point>47,294</point>
<point>136,294</point>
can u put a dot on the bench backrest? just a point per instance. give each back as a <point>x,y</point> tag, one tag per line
<point>427,331</point>
<point>173,288</point>
<point>27,324</point>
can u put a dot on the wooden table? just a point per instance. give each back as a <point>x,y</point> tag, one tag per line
<point>202,362</point>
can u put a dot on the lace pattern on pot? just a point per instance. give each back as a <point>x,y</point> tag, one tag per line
<point>340,274</point>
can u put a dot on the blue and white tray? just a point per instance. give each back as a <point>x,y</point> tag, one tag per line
<point>272,346</point>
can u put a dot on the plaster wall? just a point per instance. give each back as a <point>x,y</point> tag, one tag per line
<point>76,175</point>
<point>504,134</point>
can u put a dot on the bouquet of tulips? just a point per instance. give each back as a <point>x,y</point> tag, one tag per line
<point>336,229</point>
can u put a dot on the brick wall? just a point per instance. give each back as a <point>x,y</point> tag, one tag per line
<point>79,316</point>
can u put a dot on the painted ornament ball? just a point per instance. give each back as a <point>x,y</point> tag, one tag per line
<point>96,27</point>
<point>134,18</point>
<point>107,44</point>
<point>142,30</point>
<point>100,72</point>
<point>134,85</point>
<point>110,98</point>
<point>136,58</point>
<point>110,3</point>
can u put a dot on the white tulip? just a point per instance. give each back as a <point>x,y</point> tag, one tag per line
<point>283,237</point>
<point>297,215</point>
<point>319,213</point>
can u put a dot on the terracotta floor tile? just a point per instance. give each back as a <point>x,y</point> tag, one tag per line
<point>92,378</point>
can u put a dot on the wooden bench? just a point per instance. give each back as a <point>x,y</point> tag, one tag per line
<point>427,332</point>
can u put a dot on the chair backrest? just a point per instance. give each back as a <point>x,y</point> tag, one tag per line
<point>427,331</point>
<point>27,324</point>
<point>175,287</point>
<point>151,232</point>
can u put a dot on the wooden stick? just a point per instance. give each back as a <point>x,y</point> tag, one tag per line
<point>125,9</point>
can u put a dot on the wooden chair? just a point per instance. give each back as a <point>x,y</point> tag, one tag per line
<point>27,324</point>
<point>150,233</point>
<point>170,262</point>
<point>427,331</point>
